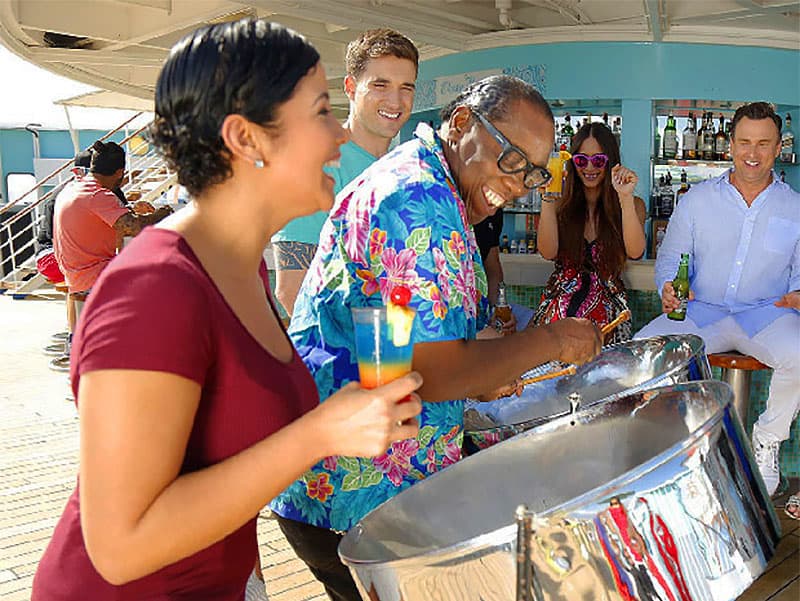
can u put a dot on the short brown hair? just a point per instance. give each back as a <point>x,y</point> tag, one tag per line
<point>375,43</point>
<point>756,111</point>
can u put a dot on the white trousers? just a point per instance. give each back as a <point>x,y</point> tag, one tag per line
<point>777,345</point>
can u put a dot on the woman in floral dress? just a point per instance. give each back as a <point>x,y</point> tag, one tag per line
<point>590,233</point>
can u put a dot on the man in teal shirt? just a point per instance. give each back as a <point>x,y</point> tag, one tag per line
<point>381,68</point>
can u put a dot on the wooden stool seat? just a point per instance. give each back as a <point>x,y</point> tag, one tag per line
<point>61,287</point>
<point>736,371</point>
<point>734,360</point>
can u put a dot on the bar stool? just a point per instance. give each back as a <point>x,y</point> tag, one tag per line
<point>737,371</point>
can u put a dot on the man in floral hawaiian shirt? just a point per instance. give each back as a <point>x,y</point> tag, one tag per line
<point>407,220</point>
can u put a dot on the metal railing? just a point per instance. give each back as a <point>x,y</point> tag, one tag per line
<point>147,174</point>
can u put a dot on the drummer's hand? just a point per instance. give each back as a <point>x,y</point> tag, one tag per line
<point>142,207</point>
<point>515,388</point>
<point>670,302</point>
<point>363,423</point>
<point>580,340</point>
<point>488,333</point>
<point>790,300</point>
<point>510,326</point>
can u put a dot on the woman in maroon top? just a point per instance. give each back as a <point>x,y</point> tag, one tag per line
<point>195,409</point>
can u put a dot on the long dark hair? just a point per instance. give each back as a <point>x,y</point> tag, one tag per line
<point>574,210</point>
<point>248,67</point>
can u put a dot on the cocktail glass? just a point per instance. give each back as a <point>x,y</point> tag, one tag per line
<point>380,361</point>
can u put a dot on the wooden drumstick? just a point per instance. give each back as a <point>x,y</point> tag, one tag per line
<point>567,371</point>
<point>621,318</point>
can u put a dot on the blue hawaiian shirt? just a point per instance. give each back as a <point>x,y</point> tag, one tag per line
<point>401,222</point>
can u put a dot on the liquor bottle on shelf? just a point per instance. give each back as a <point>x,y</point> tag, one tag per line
<point>720,140</point>
<point>701,138</point>
<point>655,197</point>
<point>783,176</point>
<point>504,247</point>
<point>787,140</point>
<point>684,187</point>
<point>727,156</point>
<point>667,199</point>
<point>670,138</point>
<point>689,138</point>
<point>656,142</point>
<point>566,132</point>
<point>605,120</point>
<point>708,139</point>
<point>617,129</point>
<point>512,249</point>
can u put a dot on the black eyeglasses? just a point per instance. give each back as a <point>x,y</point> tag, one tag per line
<point>513,159</point>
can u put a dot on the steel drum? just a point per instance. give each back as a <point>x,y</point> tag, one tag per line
<point>651,496</point>
<point>617,371</point>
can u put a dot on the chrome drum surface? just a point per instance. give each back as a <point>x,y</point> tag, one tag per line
<point>652,496</point>
<point>617,371</point>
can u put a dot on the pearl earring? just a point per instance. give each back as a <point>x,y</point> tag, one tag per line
<point>259,163</point>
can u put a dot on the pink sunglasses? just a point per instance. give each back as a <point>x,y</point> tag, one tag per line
<point>598,160</point>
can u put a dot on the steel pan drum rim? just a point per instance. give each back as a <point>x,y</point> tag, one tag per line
<point>646,385</point>
<point>506,535</point>
<point>587,498</point>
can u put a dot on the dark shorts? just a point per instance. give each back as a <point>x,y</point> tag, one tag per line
<point>293,255</point>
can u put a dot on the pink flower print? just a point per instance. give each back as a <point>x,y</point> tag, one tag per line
<point>442,273</point>
<point>430,460</point>
<point>370,285</point>
<point>396,462</point>
<point>400,269</point>
<point>330,463</point>
<point>463,286</point>
<point>439,307</point>
<point>340,206</point>
<point>319,488</point>
<point>357,234</point>
<point>377,240</point>
<point>452,453</point>
<point>439,260</point>
<point>456,244</point>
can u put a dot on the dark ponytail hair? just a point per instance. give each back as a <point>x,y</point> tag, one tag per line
<point>107,158</point>
<point>249,67</point>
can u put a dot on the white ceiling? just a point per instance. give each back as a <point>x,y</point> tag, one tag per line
<point>121,44</point>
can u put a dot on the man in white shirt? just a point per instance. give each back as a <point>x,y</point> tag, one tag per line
<point>742,232</point>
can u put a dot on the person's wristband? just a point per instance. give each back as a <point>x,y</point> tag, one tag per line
<point>549,200</point>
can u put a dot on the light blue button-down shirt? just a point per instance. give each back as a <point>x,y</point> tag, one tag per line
<point>742,259</point>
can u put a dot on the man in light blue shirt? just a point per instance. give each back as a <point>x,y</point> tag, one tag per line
<point>742,232</point>
<point>381,68</point>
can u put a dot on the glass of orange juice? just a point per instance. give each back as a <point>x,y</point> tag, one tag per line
<point>383,345</point>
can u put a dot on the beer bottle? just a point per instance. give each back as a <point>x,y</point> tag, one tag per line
<point>681,286</point>
<point>502,310</point>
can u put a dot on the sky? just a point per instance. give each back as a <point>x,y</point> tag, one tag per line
<point>29,92</point>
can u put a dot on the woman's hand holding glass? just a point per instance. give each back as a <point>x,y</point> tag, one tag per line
<point>359,422</point>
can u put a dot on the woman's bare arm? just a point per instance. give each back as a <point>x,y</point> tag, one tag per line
<point>139,514</point>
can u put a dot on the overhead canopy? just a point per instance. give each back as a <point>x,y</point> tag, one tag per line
<point>120,45</point>
<point>106,99</point>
